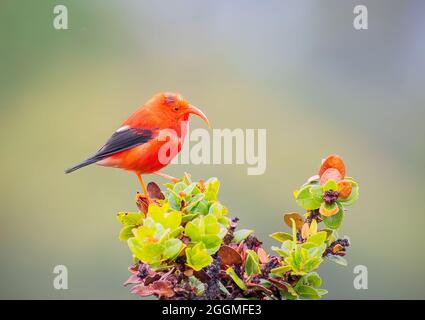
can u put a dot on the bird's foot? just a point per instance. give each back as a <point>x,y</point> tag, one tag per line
<point>166,176</point>
<point>153,195</point>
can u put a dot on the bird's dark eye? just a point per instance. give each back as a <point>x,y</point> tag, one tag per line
<point>176,109</point>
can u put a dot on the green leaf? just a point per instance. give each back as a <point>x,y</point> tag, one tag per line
<point>189,217</point>
<point>281,270</point>
<point>287,295</point>
<point>179,187</point>
<point>303,195</point>
<point>195,229</point>
<point>205,229</point>
<point>172,220</point>
<point>329,233</point>
<point>241,235</point>
<point>130,218</point>
<point>309,197</point>
<point>224,221</point>
<point>194,202</point>
<point>322,292</point>
<point>211,224</point>
<point>316,251</point>
<point>307,292</point>
<point>294,261</point>
<point>317,191</point>
<point>212,188</point>
<point>290,292</point>
<point>176,232</point>
<point>312,264</point>
<point>223,288</point>
<point>330,185</point>
<point>217,209</point>
<point>280,252</point>
<point>169,185</point>
<point>146,252</point>
<point>301,261</point>
<point>308,245</point>
<point>212,243</point>
<point>332,237</point>
<point>126,233</point>
<point>156,212</point>
<point>286,248</point>
<point>197,285</point>
<point>168,219</point>
<point>281,236</point>
<point>252,263</point>
<point>232,274</point>
<point>146,231</point>
<point>173,200</point>
<point>172,248</point>
<point>197,257</point>
<point>201,208</point>
<point>354,195</point>
<point>318,238</point>
<point>313,279</point>
<point>191,189</point>
<point>335,221</point>
<point>337,259</point>
<point>223,231</point>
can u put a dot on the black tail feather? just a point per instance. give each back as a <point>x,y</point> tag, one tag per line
<point>121,140</point>
<point>81,165</point>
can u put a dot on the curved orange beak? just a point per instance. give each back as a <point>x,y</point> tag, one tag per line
<point>194,110</point>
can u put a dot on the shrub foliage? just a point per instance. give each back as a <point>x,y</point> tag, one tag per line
<point>186,246</point>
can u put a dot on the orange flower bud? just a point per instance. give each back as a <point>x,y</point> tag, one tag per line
<point>344,189</point>
<point>333,161</point>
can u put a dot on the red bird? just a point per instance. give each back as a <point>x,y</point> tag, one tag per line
<point>148,140</point>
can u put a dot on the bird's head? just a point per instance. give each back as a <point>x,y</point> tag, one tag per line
<point>176,108</point>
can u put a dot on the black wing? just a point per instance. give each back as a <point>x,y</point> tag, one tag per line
<point>121,140</point>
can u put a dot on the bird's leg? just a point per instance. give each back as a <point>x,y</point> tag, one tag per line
<point>142,183</point>
<point>166,176</point>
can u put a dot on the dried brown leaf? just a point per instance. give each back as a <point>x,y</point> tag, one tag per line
<point>142,202</point>
<point>229,256</point>
<point>256,286</point>
<point>154,191</point>
<point>133,279</point>
<point>161,288</point>
<point>299,221</point>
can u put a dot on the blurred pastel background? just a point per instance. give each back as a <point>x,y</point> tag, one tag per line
<point>297,68</point>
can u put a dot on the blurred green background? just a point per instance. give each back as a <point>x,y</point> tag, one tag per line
<point>296,68</point>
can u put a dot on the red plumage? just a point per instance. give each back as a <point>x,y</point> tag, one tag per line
<point>149,139</point>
